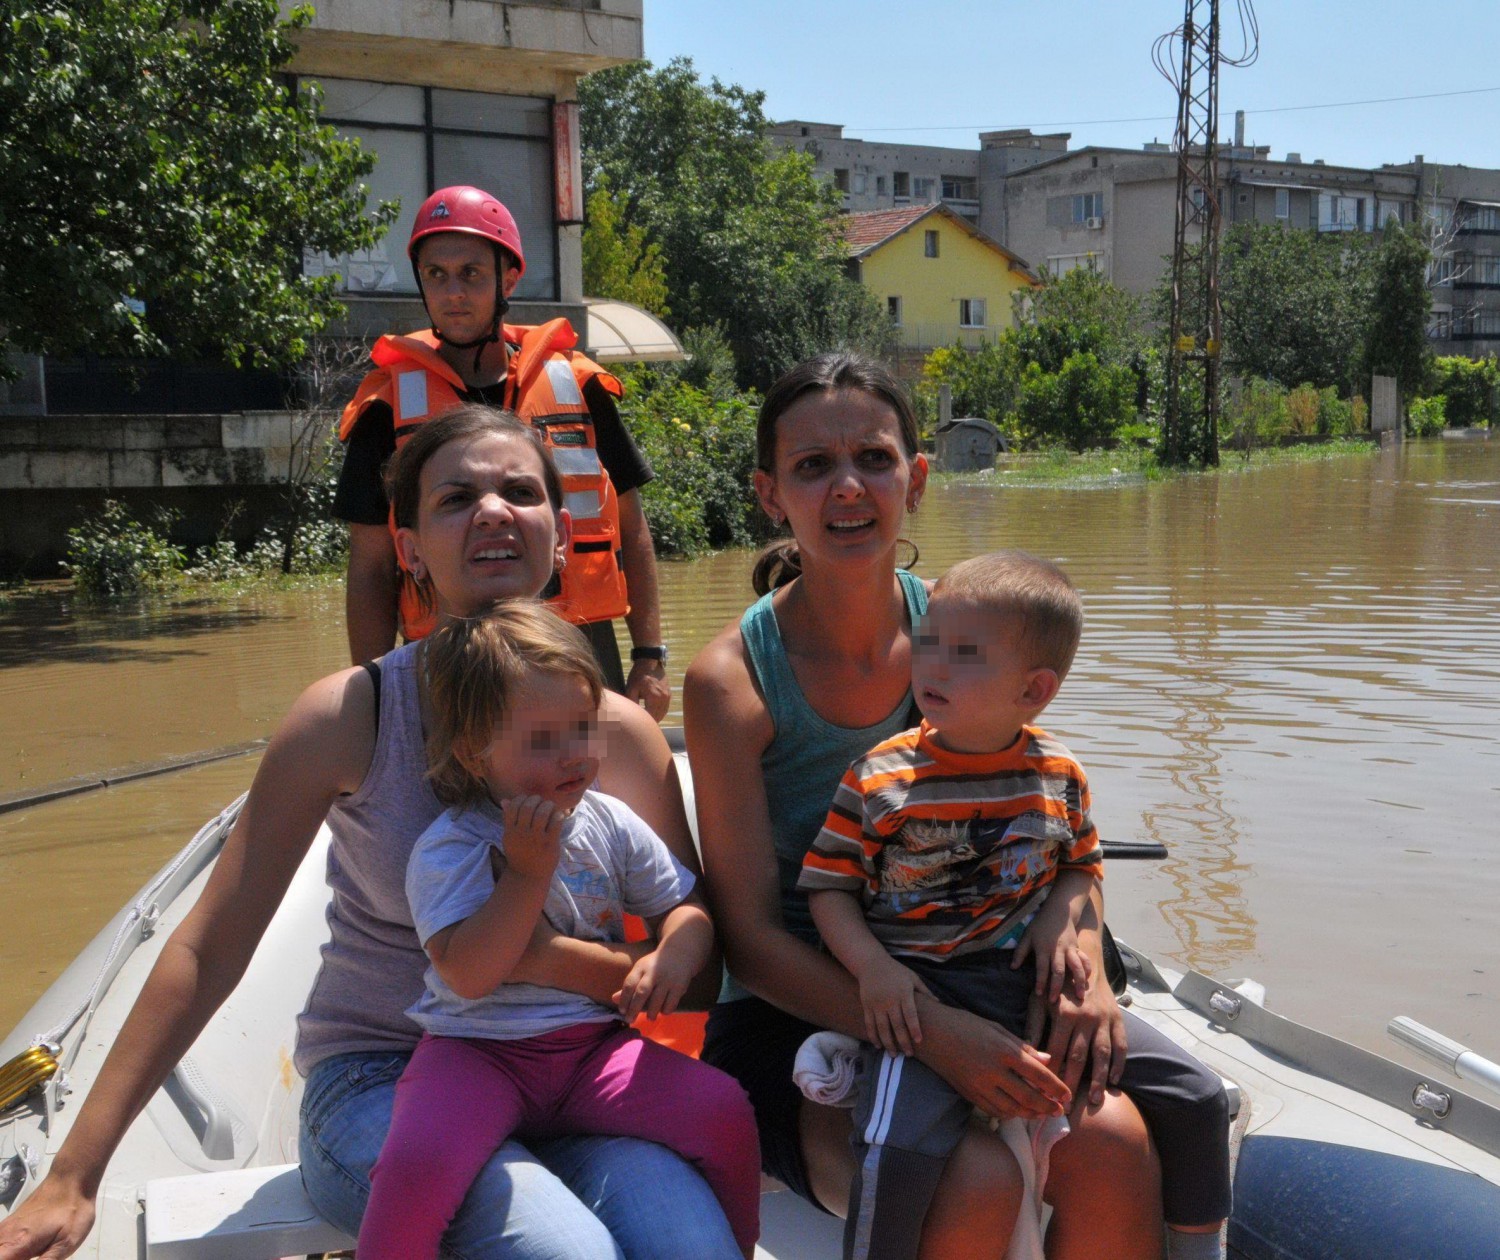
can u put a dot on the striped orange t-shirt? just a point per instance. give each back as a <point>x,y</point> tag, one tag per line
<point>951,852</point>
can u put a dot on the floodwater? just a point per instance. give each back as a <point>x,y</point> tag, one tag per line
<point>1290,677</point>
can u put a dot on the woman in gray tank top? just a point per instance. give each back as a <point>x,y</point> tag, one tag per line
<point>777,706</point>
<point>478,502</point>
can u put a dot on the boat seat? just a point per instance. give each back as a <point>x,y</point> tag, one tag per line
<point>246,1214</point>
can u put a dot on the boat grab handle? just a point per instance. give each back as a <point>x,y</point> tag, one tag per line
<point>217,1138</point>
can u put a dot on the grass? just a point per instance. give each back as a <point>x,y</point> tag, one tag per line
<point>1094,469</point>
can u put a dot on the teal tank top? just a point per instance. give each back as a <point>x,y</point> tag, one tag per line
<point>807,755</point>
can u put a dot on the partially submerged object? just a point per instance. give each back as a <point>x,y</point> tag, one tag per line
<point>1344,1154</point>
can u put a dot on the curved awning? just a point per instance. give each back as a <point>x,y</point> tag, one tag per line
<point>620,332</point>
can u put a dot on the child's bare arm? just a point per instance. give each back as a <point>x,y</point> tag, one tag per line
<point>887,990</point>
<point>476,956</point>
<point>684,940</point>
<point>1052,936</point>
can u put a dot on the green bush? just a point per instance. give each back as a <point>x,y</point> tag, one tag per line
<point>1258,417</point>
<point>1427,417</point>
<point>116,554</point>
<point>1472,388</point>
<point>703,451</point>
<point>1335,416</point>
<point>1302,409</point>
<point>1083,404</point>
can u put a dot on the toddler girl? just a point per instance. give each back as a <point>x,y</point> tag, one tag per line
<point>527,846</point>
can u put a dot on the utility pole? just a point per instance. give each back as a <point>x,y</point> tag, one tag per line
<point>1191,430</point>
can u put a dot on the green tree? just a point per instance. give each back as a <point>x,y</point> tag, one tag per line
<point>748,236</point>
<point>1296,304</point>
<point>1082,404</point>
<point>618,262</point>
<point>159,182</point>
<point>1396,343</point>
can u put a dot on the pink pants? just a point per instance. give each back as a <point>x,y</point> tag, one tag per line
<point>460,1099</point>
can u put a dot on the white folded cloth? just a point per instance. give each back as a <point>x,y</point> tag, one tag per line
<point>824,1068</point>
<point>824,1071</point>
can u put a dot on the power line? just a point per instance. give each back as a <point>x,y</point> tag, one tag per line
<point>1277,109</point>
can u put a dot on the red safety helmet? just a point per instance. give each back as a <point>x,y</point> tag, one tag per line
<point>463,208</point>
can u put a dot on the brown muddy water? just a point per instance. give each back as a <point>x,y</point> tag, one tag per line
<point>1290,677</point>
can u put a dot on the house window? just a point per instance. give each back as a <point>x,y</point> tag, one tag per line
<point>1481,219</point>
<point>1487,271</point>
<point>1088,206</point>
<point>1061,264</point>
<point>922,188</point>
<point>1440,324</point>
<point>930,243</point>
<point>901,184</point>
<point>960,188</point>
<point>1440,271</point>
<point>893,309</point>
<point>1340,214</point>
<point>880,185</point>
<point>841,178</point>
<point>1283,203</point>
<point>426,138</point>
<point>859,183</point>
<point>971,312</point>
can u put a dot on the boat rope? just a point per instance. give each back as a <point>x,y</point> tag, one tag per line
<point>25,1072</point>
<point>136,924</point>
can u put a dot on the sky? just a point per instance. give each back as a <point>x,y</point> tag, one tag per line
<point>940,71</point>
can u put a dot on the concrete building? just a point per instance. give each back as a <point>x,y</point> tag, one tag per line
<point>459,92</point>
<point>941,280</point>
<point>1463,204</point>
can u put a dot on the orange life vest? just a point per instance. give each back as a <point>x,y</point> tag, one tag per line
<point>544,385</point>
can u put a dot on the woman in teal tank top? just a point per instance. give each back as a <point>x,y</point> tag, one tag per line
<point>776,707</point>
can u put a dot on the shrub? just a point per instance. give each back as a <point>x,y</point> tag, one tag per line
<point>1258,416</point>
<point>116,554</point>
<point>1427,417</point>
<point>1359,415</point>
<point>703,452</point>
<point>1083,404</point>
<point>1335,416</point>
<point>1470,386</point>
<point>1302,409</point>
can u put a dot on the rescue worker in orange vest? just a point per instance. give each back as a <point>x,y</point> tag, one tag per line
<point>466,251</point>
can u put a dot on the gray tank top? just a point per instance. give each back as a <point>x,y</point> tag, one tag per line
<point>807,755</point>
<point>372,965</point>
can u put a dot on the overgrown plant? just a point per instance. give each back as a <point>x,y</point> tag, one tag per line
<point>114,554</point>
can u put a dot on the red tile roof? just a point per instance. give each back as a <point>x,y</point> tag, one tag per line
<point>864,229</point>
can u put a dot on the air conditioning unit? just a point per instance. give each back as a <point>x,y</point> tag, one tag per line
<point>1096,223</point>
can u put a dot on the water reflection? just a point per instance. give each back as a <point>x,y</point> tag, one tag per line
<point>1290,677</point>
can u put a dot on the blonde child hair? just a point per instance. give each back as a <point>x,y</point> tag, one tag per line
<point>1035,592</point>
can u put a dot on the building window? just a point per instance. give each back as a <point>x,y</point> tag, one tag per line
<point>880,185</point>
<point>841,178</point>
<point>1061,264</point>
<point>1386,210</point>
<point>1440,324</point>
<point>1481,219</point>
<point>1088,206</point>
<point>426,138</point>
<point>971,312</point>
<point>922,188</point>
<point>901,184</point>
<point>859,182</point>
<point>893,309</point>
<point>960,188</point>
<point>1340,214</point>
<point>930,244</point>
<point>1440,271</point>
<point>1283,203</point>
<point>1487,271</point>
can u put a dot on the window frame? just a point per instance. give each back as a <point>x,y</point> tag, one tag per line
<point>931,244</point>
<point>966,312</point>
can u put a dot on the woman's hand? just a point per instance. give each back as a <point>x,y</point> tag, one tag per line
<point>995,1070</point>
<point>1086,1031</point>
<point>52,1223</point>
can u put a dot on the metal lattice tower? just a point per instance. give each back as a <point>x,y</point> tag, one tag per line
<point>1191,430</point>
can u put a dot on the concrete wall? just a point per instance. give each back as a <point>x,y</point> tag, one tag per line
<point>875,161</point>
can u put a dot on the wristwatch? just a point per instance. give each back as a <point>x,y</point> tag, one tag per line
<point>658,652</point>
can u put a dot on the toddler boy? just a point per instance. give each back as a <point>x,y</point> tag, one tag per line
<point>964,849</point>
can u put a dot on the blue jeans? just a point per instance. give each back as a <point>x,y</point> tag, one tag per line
<point>574,1198</point>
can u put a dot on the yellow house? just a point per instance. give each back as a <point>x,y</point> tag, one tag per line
<point>941,279</point>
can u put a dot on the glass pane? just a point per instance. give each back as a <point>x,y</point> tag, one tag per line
<point>519,172</point>
<point>498,115</point>
<point>354,100</point>
<point>400,173</point>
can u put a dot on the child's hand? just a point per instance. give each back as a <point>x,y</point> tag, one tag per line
<point>888,991</point>
<point>1059,959</point>
<point>533,835</point>
<point>655,984</point>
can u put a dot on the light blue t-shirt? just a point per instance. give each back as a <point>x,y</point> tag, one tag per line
<point>612,863</point>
